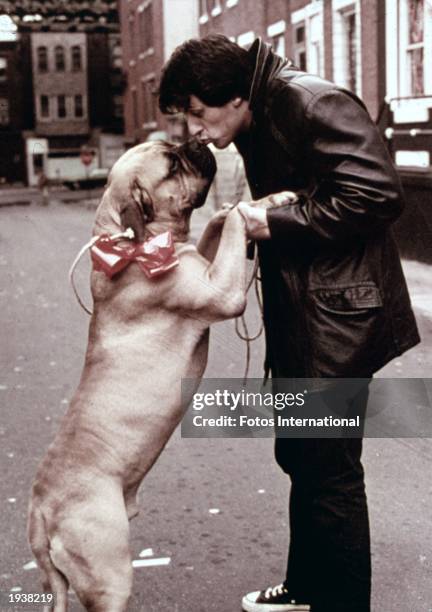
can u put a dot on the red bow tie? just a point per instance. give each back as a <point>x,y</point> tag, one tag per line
<point>154,256</point>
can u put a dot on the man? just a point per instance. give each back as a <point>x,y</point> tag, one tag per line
<point>335,299</point>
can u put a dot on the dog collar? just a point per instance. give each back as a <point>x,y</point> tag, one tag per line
<point>154,256</point>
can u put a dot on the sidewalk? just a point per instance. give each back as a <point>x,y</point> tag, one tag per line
<point>419,280</point>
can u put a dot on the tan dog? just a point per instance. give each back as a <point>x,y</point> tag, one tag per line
<point>145,336</point>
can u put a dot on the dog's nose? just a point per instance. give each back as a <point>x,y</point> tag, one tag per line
<point>201,158</point>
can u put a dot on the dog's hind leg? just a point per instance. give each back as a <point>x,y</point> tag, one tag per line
<point>53,581</point>
<point>91,547</point>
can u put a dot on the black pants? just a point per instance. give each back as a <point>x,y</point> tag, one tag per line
<point>329,553</point>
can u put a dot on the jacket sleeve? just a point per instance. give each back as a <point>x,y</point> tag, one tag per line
<point>357,190</point>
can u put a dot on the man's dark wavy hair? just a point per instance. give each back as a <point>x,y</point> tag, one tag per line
<point>213,69</point>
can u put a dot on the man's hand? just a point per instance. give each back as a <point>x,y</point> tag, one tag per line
<point>275,199</point>
<point>255,213</point>
<point>256,221</point>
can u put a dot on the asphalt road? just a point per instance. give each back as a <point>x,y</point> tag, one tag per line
<point>214,510</point>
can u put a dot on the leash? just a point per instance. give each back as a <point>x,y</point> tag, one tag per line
<point>129,233</point>
<point>244,333</point>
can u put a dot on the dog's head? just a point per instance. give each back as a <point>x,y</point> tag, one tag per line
<point>158,184</point>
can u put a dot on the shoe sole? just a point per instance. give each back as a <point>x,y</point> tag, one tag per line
<point>251,606</point>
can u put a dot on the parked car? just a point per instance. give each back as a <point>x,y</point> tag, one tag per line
<point>96,178</point>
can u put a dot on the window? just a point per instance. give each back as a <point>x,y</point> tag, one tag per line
<point>76,58</point>
<point>347,64</point>
<point>78,106</point>
<point>276,34</point>
<point>145,24</point>
<point>149,100</point>
<point>415,47</point>
<point>308,37</point>
<point>4,111</point>
<point>315,46</point>
<point>409,54</point>
<point>409,63</point>
<point>118,106</point>
<point>351,51</point>
<point>59,57</point>
<point>146,27</point>
<point>132,37</point>
<point>42,59</point>
<point>278,44</point>
<point>300,56</point>
<point>61,107</point>
<point>3,69</point>
<point>44,106</point>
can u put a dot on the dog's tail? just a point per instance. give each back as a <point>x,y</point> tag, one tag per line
<point>54,582</point>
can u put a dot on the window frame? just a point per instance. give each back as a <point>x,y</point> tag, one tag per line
<point>61,106</point>
<point>76,52</point>
<point>313,45</point>
<point>76,106</point>
<point>44,109</point>
<point>343,11</point>
<point>42,61</point>
<point>59,54</point>
<point>407,49</point>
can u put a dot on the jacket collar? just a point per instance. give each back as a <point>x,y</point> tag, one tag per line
<point>267,65</point>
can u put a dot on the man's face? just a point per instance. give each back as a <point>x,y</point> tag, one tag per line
<point>217,124</point>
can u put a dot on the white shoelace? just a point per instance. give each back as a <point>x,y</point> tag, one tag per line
<point>273,592</point>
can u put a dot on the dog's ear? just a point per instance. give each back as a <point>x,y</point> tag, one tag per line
<point>137,212</point>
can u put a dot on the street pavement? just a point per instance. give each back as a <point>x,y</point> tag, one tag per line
<point>214,518</point>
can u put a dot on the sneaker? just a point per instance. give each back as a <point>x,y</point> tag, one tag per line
<point>273,599</point>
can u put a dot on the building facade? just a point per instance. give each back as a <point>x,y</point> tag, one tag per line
<point>407,118</point>
<point>151,29</point>
<point>341,40</point>
<point>16,110</point>
<point>72,87</point>
<point>77,94</point>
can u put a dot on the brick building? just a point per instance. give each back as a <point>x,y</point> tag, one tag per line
<point>78,89</point>
<point>380,49</point>
<point>16,112</point>
<point>361,45</point>
<point>341,40</point>
<point>150,30</point>
<point>72,86</point>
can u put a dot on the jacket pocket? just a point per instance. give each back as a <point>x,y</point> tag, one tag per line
<point>348,329</point>
<point>349,300</point>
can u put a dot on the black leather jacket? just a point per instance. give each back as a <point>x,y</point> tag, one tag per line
<point>335,298</point>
